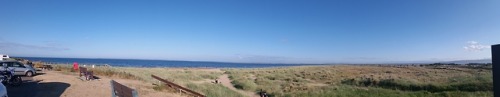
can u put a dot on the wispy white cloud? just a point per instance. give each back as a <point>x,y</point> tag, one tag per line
<point>52,46</point>
<point>475,46</point>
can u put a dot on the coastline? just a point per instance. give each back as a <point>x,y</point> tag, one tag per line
<point>158,63</point>
<point>333,80</point>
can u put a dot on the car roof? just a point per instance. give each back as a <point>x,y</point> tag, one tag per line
<point>8,61</point>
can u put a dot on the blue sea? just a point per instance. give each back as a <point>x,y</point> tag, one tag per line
<point>156,63</point>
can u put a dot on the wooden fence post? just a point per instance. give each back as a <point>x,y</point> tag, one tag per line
<point>178,87</point>
<point>112,89</point>
<point>120,90</point>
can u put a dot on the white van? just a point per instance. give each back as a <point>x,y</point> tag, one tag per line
<point>3,56</point>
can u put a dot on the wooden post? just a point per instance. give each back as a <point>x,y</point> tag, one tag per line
<point>112,89</point>
<point>134,93</point>
<point>178,87</point>
<point>119,90</point>
<point>495,58</point>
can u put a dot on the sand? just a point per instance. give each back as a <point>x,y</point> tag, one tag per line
<point>59,84</point>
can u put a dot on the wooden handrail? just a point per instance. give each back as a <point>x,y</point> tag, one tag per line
<point>178,86</point>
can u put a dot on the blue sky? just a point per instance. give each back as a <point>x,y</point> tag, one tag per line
<point>262,31</point>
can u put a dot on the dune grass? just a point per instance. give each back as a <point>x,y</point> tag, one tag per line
<point>177,75</point>
<point>196,79</point>
<point>103,71</point>
<point>351,91</point>
<point>199,80</point>
<point>362,81</point>
<point>320,81</point>
<point>214,90</point>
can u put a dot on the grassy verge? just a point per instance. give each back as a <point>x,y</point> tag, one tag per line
<point>364,81</point>
<point>196,79</point>
<point>214,90</point>
<point>104,71</point>
<point>392,84</point>
<point>352,91</point>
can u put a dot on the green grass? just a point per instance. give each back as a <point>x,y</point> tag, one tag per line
<point>364,81</point>
<point>102,71</point>
<point>195,79</point>
<point>176,75</point>
<point>214,90</point>
<point>320,81</point>
<point>185,77</point>
<point>352,91</point>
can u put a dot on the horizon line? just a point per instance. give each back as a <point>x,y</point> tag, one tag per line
<point>331,63</point>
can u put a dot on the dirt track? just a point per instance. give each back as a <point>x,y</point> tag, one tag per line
<point>224,79</point>
<point>63,84</point>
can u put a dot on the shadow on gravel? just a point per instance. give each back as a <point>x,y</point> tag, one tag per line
<point>37,74</point>
<point>31,88</point>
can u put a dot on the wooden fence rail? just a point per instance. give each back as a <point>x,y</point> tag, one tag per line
<point>178,87</point>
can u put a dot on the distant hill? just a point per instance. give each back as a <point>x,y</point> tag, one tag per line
<point>470,61</point>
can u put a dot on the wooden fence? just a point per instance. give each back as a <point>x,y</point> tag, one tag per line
<point>178,87</point>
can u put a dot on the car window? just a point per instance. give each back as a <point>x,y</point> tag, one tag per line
<point>9,64</point>
<point>16,64</point>
<point>3,63</point>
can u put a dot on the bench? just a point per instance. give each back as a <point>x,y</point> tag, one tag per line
<point>178,87</point>
<point>47,67</point>
<point>119,90</point>
<point>89,75</point>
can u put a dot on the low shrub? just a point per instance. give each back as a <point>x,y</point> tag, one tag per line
<point>392,84</point>
<point>213,90</point>
<point>104,71</point>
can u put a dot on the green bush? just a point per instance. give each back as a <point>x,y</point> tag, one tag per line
<point>244,85</point>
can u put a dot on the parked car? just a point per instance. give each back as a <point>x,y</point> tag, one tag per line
<point>3,91</point>
<point>19,68</point>
<point>4,56</point>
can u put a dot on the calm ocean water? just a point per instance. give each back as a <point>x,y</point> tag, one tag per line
<point>156,63</point>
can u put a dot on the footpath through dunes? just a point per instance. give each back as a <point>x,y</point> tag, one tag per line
<point>225,81</point>
<point>67,84</point>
